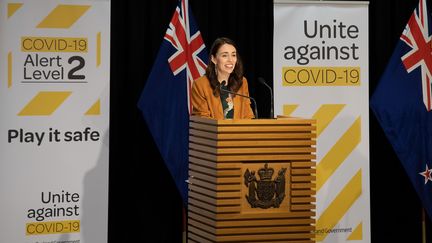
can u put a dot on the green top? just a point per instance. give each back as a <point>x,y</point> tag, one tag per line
<point>227,105</point>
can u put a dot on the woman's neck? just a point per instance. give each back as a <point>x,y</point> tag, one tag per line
<point>223,78</point>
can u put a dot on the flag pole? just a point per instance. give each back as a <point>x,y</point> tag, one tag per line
<point>185,226</point>
<point>423,226</point>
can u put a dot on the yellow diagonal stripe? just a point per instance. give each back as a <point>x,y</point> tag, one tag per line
<point>288,109</point>
<point>94,109</point>
<point>98,49</point>
<point>63,16</point>
<point>12,8</point>
<point>325,114</point>
<point>9,70</point>
<point>44,103</point>
<point>338,153</point>
<point>357,233</point>
<point>339,206</point>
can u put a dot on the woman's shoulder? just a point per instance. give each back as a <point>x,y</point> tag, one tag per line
<point>244,82</point>
<point>201,79</point>
<point>202,83</point>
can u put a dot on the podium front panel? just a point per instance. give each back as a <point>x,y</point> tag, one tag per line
<point>252,180</point>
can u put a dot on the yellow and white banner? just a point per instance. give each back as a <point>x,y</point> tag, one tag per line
<point>54,106</point>
<point>321,72</point>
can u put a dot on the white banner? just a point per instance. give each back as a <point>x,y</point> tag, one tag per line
<point>54,104</point>
<point>321,72</point>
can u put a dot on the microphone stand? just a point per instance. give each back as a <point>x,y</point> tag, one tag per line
<point>261,80</point>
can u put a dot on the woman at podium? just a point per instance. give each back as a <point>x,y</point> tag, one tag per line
<point>222,92</point>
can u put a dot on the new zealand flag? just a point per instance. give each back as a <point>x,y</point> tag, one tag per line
<point>402,102</point>
<point>165,102</point>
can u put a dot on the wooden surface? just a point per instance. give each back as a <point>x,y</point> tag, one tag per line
<point>220,152</point>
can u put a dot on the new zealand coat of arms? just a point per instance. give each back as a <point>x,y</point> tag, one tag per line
<point>265,193</point>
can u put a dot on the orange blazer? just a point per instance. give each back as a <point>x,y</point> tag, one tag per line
<point>205,104</point>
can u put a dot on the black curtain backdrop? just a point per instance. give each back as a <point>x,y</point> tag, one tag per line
<point>144,205</point>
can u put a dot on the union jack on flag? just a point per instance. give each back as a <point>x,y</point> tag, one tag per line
<point>187,40</point>
<point>402,102</point>
<point>165,102</point>
<point>417,36</point>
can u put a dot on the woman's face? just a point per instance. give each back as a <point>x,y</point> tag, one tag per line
<point>225,60</point>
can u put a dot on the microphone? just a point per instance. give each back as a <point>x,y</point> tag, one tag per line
<point>261,80</point>
<point>224,89</point>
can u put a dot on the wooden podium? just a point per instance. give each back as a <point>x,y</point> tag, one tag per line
<point>251,180</point>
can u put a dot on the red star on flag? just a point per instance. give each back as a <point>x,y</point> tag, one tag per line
<point>427,174</point>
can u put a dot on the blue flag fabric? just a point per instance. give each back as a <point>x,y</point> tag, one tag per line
<point>402,103</point>
<point>165,102</point>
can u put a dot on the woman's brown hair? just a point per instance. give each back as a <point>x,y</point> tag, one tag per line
<point>235,79</point>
